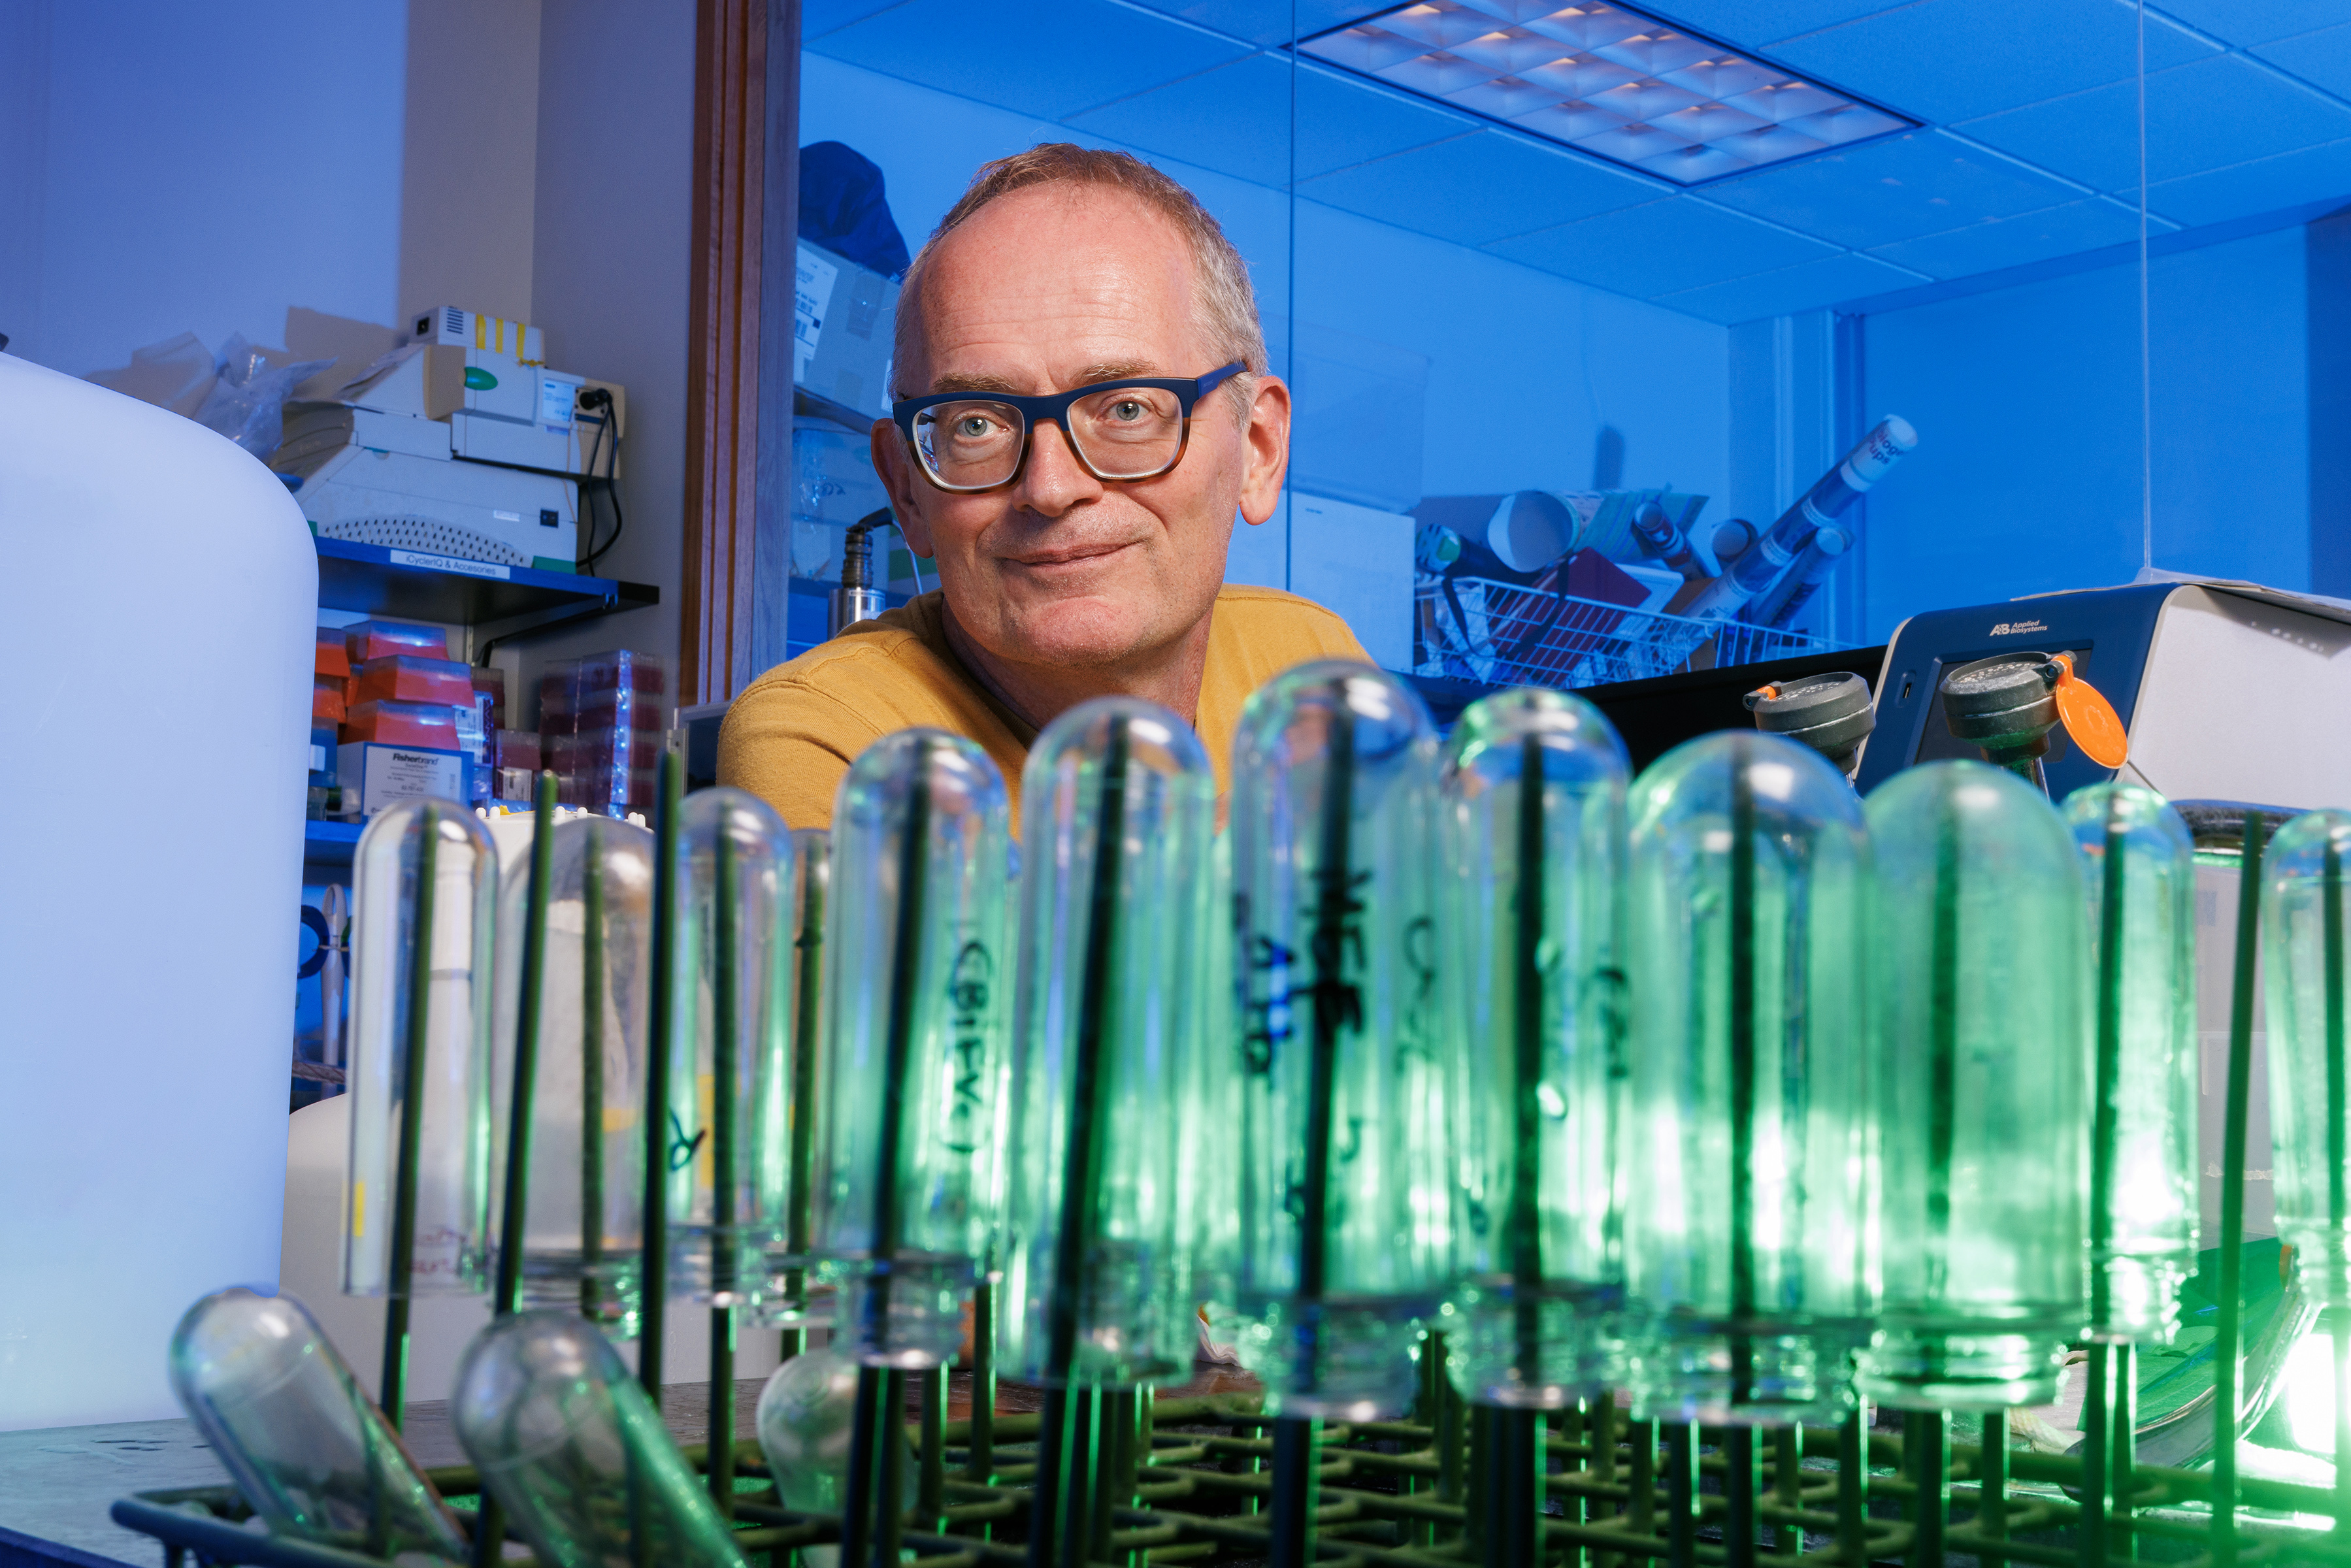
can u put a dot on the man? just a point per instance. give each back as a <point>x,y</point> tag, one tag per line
<point>1080,541</point>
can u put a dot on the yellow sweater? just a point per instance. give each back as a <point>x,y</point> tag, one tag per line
<point>795,730</point>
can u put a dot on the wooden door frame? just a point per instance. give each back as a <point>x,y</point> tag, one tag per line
<point>738,415</point>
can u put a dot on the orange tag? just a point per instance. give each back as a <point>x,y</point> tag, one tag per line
<point>2089,717</point>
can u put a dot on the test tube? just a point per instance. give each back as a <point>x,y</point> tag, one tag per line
<point>584,1235</point>
<point>1533,837</point>
<point>1211,1185</point>
<point>915,971</point>
<point>2138,869</point>
<point>575,1453</point>
<point>288,1421</point>
<point>790,1300</point>
<point>1118,796</point>
<point>1982,1080</point>
<point>2303,929</point>
<point>1749,1256</point>
<point>424,893</point>
<point>1345,1187</point>
<point>730,1145</point>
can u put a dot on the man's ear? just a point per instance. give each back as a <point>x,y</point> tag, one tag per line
<point>906,488</point>
<point>1265,440</point>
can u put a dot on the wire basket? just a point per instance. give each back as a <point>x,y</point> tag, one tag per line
<point>1504,633</point>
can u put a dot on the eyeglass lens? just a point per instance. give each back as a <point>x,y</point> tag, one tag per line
<point>1122,433</point>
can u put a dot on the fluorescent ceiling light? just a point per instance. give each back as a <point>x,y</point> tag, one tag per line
<point>1605,79</point>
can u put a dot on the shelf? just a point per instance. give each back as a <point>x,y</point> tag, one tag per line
<point>502,601</point>
<point>329,844</point>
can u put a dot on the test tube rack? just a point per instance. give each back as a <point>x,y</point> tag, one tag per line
<point>1191,1480</point>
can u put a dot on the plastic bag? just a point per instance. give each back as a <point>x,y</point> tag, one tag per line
<point>247,403</point>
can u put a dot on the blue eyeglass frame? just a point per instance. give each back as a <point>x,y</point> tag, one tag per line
<point>1055,406</point>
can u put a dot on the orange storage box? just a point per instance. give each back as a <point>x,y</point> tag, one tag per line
<point>401,677</point>
<point>429,725</point>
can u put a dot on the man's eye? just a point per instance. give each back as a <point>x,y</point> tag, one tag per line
<point>972,427</point>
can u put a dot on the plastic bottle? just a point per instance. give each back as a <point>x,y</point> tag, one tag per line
<point>1118,797</point>
<point>1532,851</point>
<point>288,1421</point>
<point>917,971</point>
<point>730,1079</point>
<point>2303,930</point>
<point>1982,1078</point>
<point>576,1454</point>
<point>1346,1184</point>
<point>425,876</point>
<point>791,1298</point>
<point>1774,549</point>
<point>1748,1253</point>
<point>2138,869</point>
<point>583,1241</point>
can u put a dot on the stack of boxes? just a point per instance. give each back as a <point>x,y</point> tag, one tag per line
<point>604,721</point>
<point>393,717</point>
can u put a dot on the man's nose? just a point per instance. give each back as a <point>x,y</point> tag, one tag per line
<point>1054,480</point>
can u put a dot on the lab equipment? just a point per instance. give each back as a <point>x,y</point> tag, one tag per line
<point>915,970</point>
<point>2303,926</point>
<point>806,1419</point>
<point>1109,1010</point>
<point>1981,1082</point>
<point>2138,869</point>
<point>2214,683</point>
<point>288,1421</point>
<point>1777,547</point>
<point>1749,1255</point>
<point>1532,857</point>
<point>582,1240</point>
<point>1831,714</point>
<point>424,894</point>
<point>790,1299</point>
<point>729,1172</point>
<point>1345,1196</point>
<point>1119,795</point>
<point>575,1453</point>
<point>604,722</point>
<point>1665,537</point>
<point>857,599</point>
<point>1780,604</point>
<point>2006,706</point>
<point>462,443</point>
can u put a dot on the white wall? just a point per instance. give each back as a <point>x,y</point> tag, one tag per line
<point>168,167</point>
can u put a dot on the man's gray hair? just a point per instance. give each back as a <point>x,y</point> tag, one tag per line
<point>1226,302</point>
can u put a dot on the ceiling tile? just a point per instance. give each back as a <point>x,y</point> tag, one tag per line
<point>2322,59</point>
<point>819,17</point>
<point>2089,224</point>
<point>1266,21</point>
<point>1807,285</point>
<point>1660,247</point>
<point>1752,24</point>
<point>2246,22</point>
<point>2307,175</point>
<point>1900,187</point>
<point>1236,120</point>
<point>1046,58</point>
<point>1953,59</point>
<point>1479,187</point>
<point>2223,111</point>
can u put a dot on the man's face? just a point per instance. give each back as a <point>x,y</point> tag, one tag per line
<point>1052,288</point>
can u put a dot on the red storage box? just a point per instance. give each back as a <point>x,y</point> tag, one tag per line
<point>365,640</point>
<point>492,684</point>
<point>331,658</point>
<point>400,678</point>
<point>515,748</point>
<point>326,701</point>
<point>430,725</point>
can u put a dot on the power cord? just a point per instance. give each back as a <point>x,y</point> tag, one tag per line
<point>598,398</point>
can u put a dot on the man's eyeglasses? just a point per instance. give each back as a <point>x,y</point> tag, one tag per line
<point>1131,429</point>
